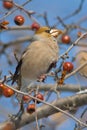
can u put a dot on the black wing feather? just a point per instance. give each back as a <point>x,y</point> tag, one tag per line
<point>17,72</point>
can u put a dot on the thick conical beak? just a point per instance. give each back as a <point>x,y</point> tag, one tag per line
<point>55,32</point>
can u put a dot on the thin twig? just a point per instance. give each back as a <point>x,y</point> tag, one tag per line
<point>16,42</point>
<point>58,109</point>
<point>62,22</point>
<point>37,125</point>
<point>83,112</point>
<point>73,13</point>
<point>29,13</point>
<point>74,44</point>
<point>76,11</point>
<point>26,11</point>
<point>10,12</point>
<point>18,28</point>
<point>45,18</point>
<point>76,70</point>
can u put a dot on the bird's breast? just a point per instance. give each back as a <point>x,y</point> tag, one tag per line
<point>38,58</point>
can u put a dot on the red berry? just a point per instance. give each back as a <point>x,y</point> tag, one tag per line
<point>7,4</point>
<point>7,92</point>
<point>31,108</point>
<point>19,20</point>
<point>26,98</point>
<point>68,66</point>
<point>39,96</point>
<point>35,26</point>
<point>2,86</point>
<point>66,39</point>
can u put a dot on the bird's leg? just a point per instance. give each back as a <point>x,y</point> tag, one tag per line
<point>41,78</point>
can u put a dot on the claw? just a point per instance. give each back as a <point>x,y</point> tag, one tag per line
<point>42,78</point>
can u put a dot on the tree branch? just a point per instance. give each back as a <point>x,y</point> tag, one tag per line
<point>47,110</point>
<point>64,87</point>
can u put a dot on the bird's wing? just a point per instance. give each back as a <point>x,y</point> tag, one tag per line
<point>17,72</point>
<point>38,58</point>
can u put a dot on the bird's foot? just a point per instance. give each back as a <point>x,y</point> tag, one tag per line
<point>41,78</point>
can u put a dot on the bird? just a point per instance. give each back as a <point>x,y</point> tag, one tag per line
<point>40,56</point>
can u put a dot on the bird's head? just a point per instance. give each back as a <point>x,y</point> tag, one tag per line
<point>48,32</point>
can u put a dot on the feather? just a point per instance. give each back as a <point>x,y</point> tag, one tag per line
<point>17,72</point>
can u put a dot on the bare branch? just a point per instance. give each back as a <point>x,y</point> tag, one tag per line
<point>74,44</point>
<point>76,11</point>
<point>10,12</point>
<point>49,109</point>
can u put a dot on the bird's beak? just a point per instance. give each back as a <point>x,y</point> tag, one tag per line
<point>55,32</point>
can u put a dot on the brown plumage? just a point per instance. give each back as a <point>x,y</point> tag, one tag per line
<point>39,57</point>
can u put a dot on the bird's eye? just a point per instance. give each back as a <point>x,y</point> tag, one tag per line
<point>48,31</point>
